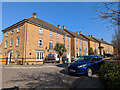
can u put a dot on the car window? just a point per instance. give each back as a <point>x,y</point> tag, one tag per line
<point>94,59</point>
<point>84,59</point>
<point>99,58</point>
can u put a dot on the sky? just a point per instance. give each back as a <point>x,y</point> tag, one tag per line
<point>77,16</point>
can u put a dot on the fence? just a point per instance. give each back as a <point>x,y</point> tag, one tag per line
<point>25,61</point>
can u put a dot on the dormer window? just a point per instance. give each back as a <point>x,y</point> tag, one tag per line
<point>40,30</point>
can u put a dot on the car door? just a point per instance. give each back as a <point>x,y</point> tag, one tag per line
<point>94,64</point>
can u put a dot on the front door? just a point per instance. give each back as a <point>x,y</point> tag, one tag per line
<point>68,56</point>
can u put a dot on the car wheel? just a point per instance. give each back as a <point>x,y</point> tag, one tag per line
<point>89,72</point>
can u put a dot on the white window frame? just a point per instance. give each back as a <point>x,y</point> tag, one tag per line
<point>68,39</point>
<point>18,30</point>
<point>68,48</point>
<point>57,35</point>
<point>83,41</point>
<point>51,33</point>
<point>76,39</point>
<point>5,44</point>
<point>49,45</point>
<point>40,42</point>
<point>79,40</point>
<point>11,42</point>
<point>76,47</point>
<point>40,30</point>
<point>12,31</point>
<point>80,48</point>
<point>18,41</point>
<point>6,33</point>
<point>63,37</point>
<point>41,56</point>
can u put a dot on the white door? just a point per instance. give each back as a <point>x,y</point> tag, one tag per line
<point>57,59</point>
<point>68,56</point>
<point>40,56</point>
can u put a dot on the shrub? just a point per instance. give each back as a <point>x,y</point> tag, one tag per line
<point>109,75</point>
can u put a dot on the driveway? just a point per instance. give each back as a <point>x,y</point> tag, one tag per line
<point>46,76</point>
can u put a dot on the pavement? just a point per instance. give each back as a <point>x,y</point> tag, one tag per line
<point>45,76</point>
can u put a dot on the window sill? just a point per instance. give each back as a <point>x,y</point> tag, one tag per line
<point>40,46</point>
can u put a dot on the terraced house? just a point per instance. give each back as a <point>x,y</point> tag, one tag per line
<point>34,40</point>
<point>79,44</point>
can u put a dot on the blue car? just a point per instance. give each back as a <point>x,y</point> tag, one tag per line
<point>86,65</point>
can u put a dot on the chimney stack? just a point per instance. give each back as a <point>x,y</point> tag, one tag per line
<point>91,35</point>
<point>58,26</point>
<point>34,15</point>
<point>63,27</point>
<point>101,38</point>
<point>80,32</point>
<point>77,32</point>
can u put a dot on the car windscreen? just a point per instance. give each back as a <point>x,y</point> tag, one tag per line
<point>83,59</point>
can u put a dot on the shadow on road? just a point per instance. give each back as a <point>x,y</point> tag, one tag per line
<point>12,88</point>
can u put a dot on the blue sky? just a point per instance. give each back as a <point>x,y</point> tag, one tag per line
<point>75,16</point>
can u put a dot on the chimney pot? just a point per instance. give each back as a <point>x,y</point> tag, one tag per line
<point>34,15</point>
<point>80,32</point>
<point>91,35</point>
<point>58,26</point>
<point>63,27</point>
<point>77,32</point>
<point>101,38</point>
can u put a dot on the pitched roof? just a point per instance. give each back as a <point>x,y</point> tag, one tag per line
<point>75,34</point>
<point>101,41</point>
<point>89,38</point>
<point>46,25</point>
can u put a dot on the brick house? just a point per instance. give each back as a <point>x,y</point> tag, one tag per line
<point>92,43</point>
<point>34,40</point>
<point>79,44</point>
<point>108,48</point>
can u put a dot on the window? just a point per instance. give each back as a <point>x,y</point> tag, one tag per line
<point>17,55</point>
<point>6,33</point>
<point>86,48</point>
<point>68,39</point>
<point>11,42</point>
<point>51,33</point>
<point>76,39</point>
<point>6,44</point>
<point>57,35</point>
<point>77,47</point>
<point>86,42</point>
<point>40,55</point>
<point>83,42</point>
<point>12,31</point>
<point>63,37</point>
<point>18,39</point>
<point>40,30</point>
<point>83,49</point>
<point>79,40</point>
<point>18,29</point>
<point>40,43</point>
<point>80,49</point>
<point>68,47</point>
<point>50,45</point>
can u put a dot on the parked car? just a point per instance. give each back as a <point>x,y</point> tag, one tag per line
<point>86,65</point>
<point>109,55</point>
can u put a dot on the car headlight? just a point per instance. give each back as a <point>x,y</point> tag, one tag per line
<point>82,65</point>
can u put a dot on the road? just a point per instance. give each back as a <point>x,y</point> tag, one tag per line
<point>47,76</point>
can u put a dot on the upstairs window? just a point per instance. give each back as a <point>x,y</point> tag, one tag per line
<point>63,37</point>
<point>68,47</point>
<point>76,39</point>
<point>6,44</point>
<point>12,31</point>
<point>6,33</point>
<point>83,49</point>
<point>83,41</point>
<point>79,40</point>
<point>86,48</point>
<point>51,33</point>
<point>80,49</point>
<point>50,45</point>
<point>18,40</point>
<point>77,47</point>
<point>11,42</point>
<point>68,39</point>
<point>40,43</point>
<point>18,29</point>
<point>57,35</point>
<point>40,30</point>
